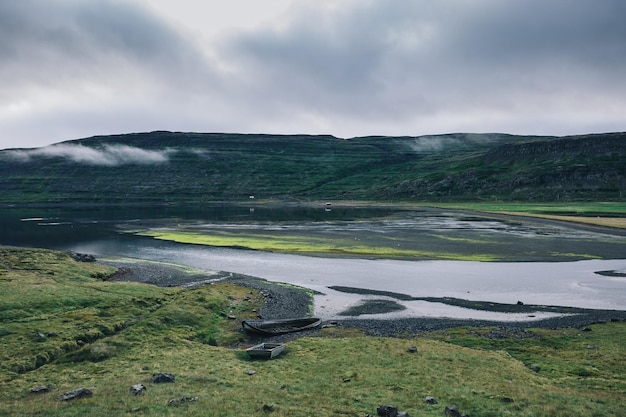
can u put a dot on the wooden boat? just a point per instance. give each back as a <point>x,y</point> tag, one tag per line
<point>280,326</point>
<point>265,350</point>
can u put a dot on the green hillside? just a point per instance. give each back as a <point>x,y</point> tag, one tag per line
<point>167,167</point>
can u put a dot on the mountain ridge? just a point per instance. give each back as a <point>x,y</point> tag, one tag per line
<point>164,167</point>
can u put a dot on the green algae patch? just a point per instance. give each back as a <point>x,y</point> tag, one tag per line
<point>575,256</point>
<point>307,245</point>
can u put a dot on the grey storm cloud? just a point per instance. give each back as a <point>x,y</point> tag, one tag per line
<point>62,43</point>
<point>74,69</point>
<point>420,55</point>
<point>107,155</point>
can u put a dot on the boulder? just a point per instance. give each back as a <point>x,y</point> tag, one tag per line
<point>430,400</point>
<point>41,389</point>
<point>386,410</point>
<point>138,389</point>
<point>452,411</point>
<point>76,394</point>
<point>160,378</point>
<point>82,257</point>
<point>269,408</point>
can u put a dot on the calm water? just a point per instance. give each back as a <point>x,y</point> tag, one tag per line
<point>551,283</point>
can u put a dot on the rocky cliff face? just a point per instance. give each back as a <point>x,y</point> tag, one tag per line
<point>580,167</point>
<point>577,148</point>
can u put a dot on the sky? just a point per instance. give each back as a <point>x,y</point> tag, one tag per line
<point>71,69</point>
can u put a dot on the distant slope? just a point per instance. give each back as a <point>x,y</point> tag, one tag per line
<point>167,167</point>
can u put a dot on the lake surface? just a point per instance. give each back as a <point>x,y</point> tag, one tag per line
<point>572,283</point>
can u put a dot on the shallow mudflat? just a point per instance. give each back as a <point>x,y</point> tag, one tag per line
<point>417,234</point>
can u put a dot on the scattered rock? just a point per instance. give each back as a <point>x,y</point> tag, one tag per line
<point>452,411</point>
<point>251,372</point>
<point>430,400</point>
<point>41,389</point>
<point>269,408</point>
<point>52,334</point>
<point>82,257</point>
<point>535,367</point>
<point>520,303</point>
<point>76,394</point>
<point>40,335</point>
<point>160,378</point>
<point>412,349</point>
<point>387,410</point>
<point>184,399</point>
<point>80,342</point>
<point>138,389</point>
<point>586,329</point>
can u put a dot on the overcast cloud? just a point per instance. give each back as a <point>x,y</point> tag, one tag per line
<point>76,68</point>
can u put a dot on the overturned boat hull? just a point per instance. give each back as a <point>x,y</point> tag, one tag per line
<point>280,326</point>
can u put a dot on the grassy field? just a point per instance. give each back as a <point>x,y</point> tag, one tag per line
<point>65,326</point>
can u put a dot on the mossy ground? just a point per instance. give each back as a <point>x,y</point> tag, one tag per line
<point>134,330</point>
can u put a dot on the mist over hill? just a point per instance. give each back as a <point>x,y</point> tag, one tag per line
<point>173,167</point>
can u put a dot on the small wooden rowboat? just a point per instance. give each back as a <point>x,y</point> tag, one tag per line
<point>280,326</point>
<point>265,350</point>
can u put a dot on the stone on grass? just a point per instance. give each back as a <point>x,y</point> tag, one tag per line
<point>161,377</point>
<point>41,389</point>
<point>269,408</point>
<point>138,389</point>
<point>387,410</point>
<point>452,411</point>
<point>430,400</point>
<point>76,394</point>
<point>181,400</point>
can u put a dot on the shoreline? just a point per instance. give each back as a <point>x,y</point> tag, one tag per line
<point>289,301</point>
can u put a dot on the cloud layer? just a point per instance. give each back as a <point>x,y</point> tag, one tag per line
<point>107,155</point>
<point>349,68</point>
